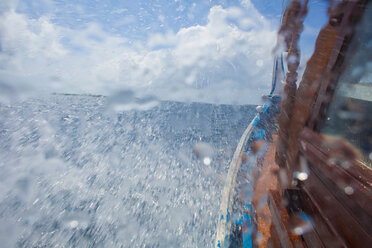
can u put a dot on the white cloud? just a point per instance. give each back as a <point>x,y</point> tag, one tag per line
<point>7,5</point>
<point>228,60</point>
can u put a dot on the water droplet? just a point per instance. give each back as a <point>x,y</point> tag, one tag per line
<point>349,190</point>
<point>346,164</point>
<point>126,100</point>
<point>73,224</point>
<point>8,93</point>
<point>259,62</point>
<point>300,224</point>
<point>259,109</point>
<point>292,59</point>
<point>258,147</point>
<point>76,220</point>
<point>36,201</point>
<point>333,161</point>
<point>258,238</point>
<point>262,202</point>
<point>302,176</point>
<point>207,160</point>
<point>303,145</point>
<point>204,151</point>
<point>283,177</point>
<point>351,115</point>
<point>357,72</point>
<point>244,158</point>
<point>303,173</point>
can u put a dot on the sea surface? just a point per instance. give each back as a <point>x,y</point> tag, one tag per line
<point>76,173</point>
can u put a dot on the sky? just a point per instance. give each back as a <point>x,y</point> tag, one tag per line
<point>216,51</point>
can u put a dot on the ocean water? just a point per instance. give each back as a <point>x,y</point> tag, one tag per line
<point>73,173</point>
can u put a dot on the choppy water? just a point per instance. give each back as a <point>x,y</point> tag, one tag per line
<point>74,175</point>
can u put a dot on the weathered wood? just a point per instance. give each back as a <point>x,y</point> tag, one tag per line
<point>294,199</point>
<point>355,168</point>
<point>324,66</point>
<point>354,194</point>
<point>274,239</point>
<point>346,16</point>
<point>288,36</point>
<point>308,88</point>
<point>266,181</point>
<point>339,217</point>
<point>312,239</point>
<point>337,199</point>
<point>280,220</point>
<point>322,225</point>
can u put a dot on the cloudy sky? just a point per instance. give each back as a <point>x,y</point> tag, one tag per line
<point>216,51</point>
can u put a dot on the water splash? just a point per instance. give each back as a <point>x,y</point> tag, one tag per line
<point>127,180</point>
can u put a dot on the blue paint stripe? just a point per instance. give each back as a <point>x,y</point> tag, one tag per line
<point>247,237</point>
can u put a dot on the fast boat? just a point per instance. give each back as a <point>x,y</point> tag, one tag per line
<point>301,175</point>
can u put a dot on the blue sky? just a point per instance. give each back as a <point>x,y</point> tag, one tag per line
<point>211,51</point>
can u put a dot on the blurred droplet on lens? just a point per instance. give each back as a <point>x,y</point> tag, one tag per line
<point>292,59</point>
<point>259,109</point>
<point>351,115</point>
<point>283,178</point>
<point>76,221</point>
<point>258,147</point>
<point>349,190</point>
<point>244,158</point>
<point>357,72</point>
<point>300,223</point>
<point>303,173</point>
<point>258,238</point>
<point>302,176</point>
<point>204,151</point>
<point>259,62</point>
<point>126,100</point>
<point>5,93</point>
<point>74,224</point>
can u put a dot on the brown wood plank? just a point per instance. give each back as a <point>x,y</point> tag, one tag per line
<point>341,219</point>
<point>356,204</point>
<point>265,182</point>
<point>295,207</point>
<point>336,179</point>
<point>274,238</point>
<point>348,17</point>
<point>356,169</point>
<point>290,30</point>
<point>325,65</point>
<point>312,240</point>
<point>322,226</point>
<point>280,222</point>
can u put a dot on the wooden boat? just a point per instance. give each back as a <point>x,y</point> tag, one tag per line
<point>301,175</point>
